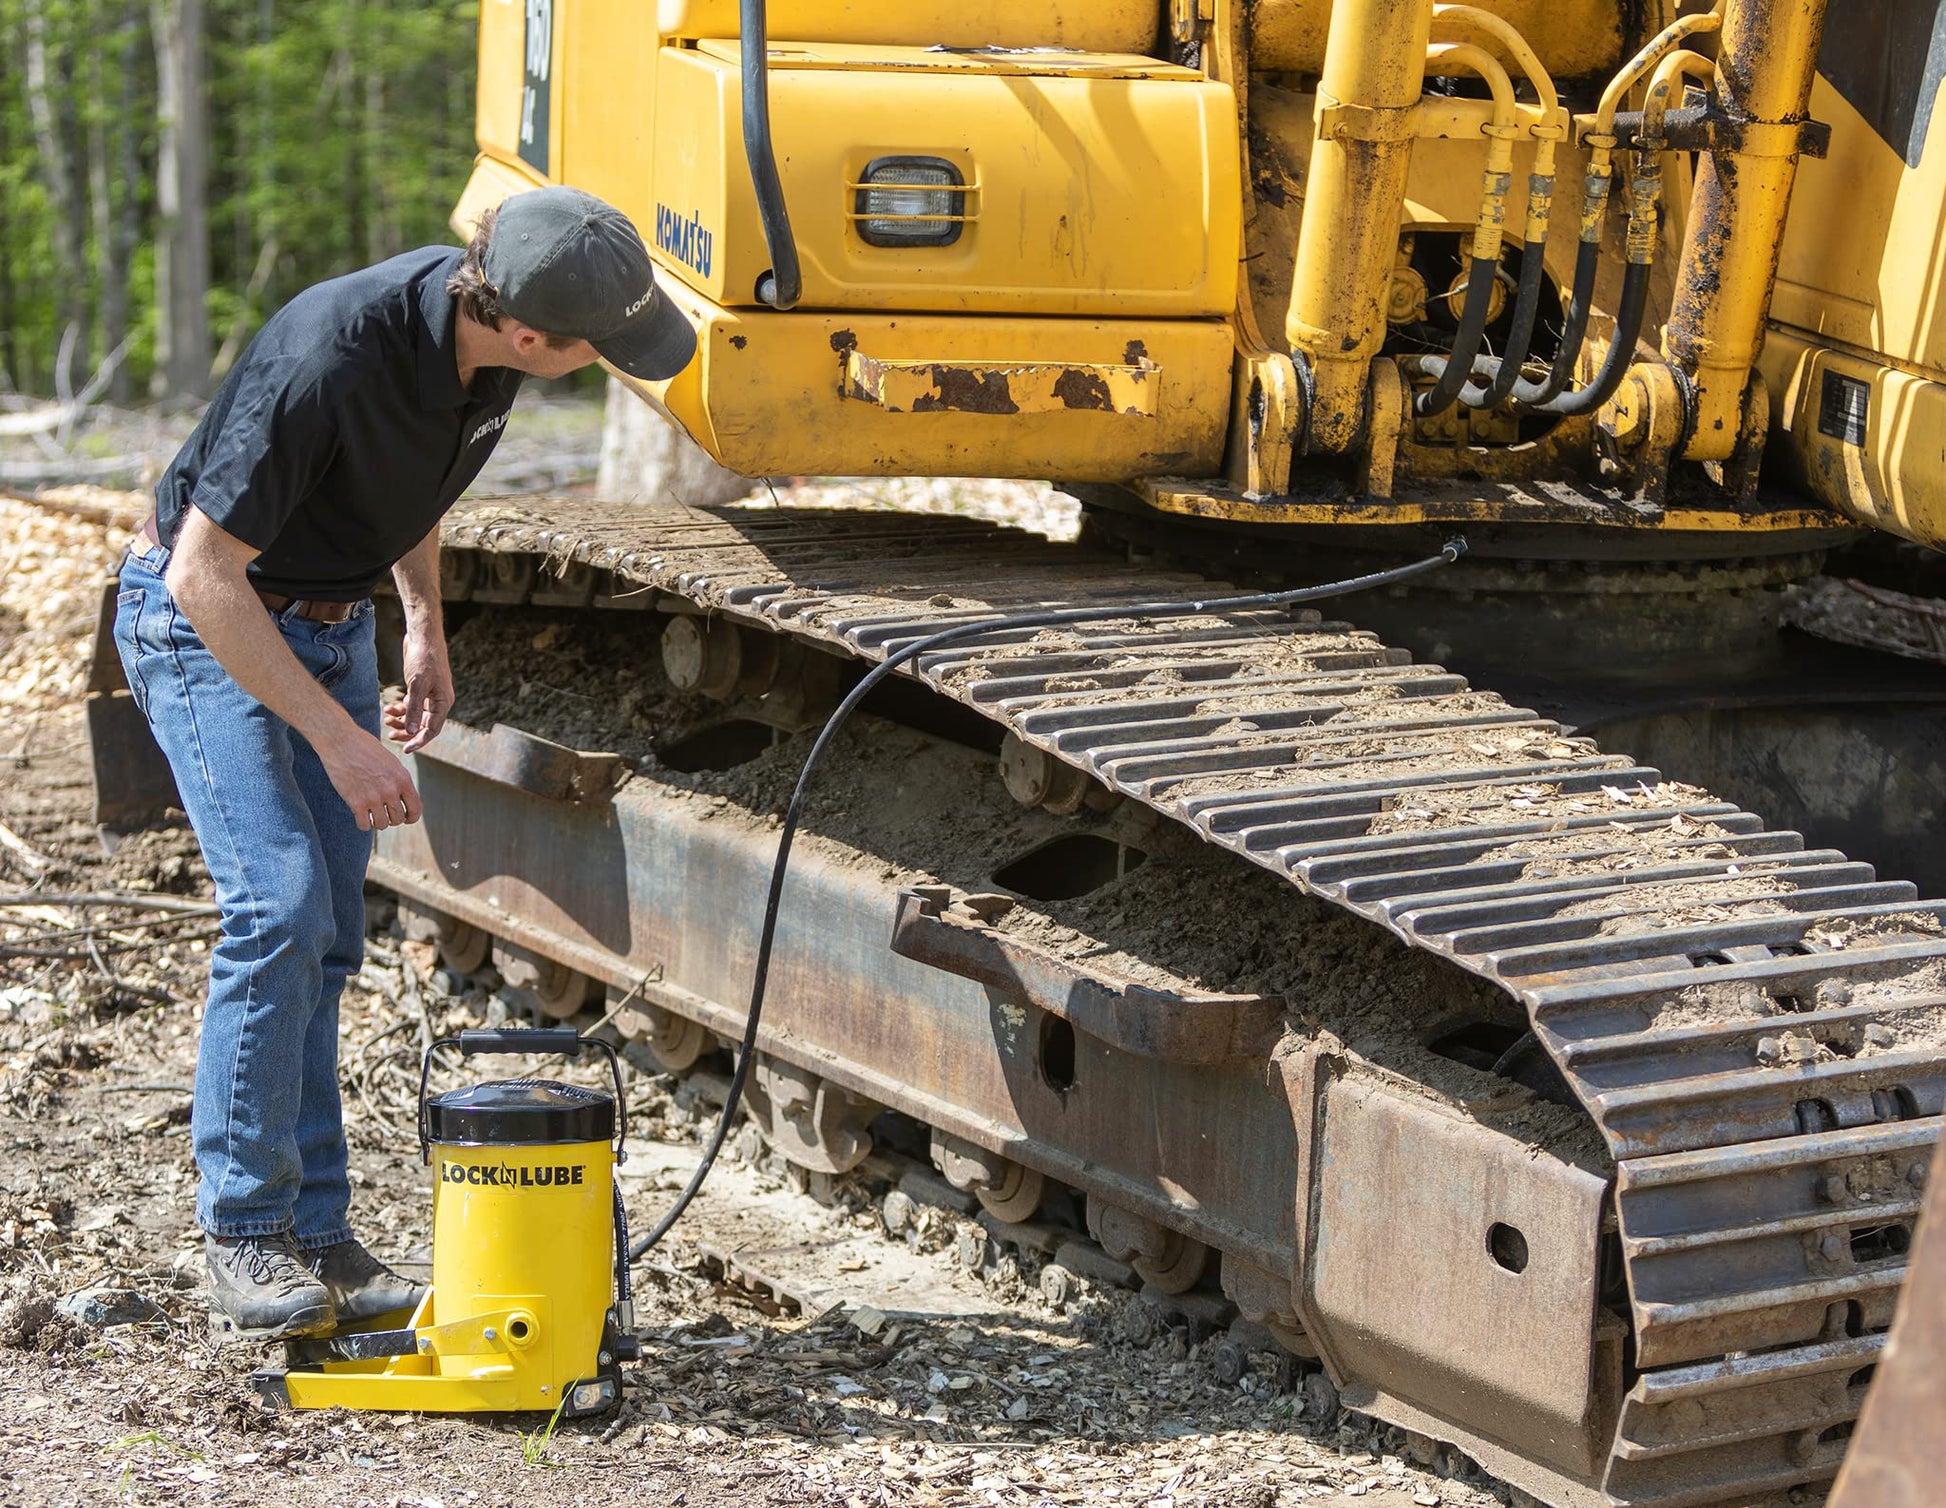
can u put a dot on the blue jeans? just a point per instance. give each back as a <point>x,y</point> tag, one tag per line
<point>289,863</point>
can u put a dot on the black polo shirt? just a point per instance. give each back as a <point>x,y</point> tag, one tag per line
<point>342,435</point>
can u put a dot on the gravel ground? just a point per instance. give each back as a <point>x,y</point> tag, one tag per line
<point>908,1383</point>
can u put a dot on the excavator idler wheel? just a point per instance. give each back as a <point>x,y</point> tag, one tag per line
<point>702,654</point>
<point>1016,1197</point>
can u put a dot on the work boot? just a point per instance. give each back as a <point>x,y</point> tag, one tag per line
<point>361,1286</point>
<point>263,1290</point>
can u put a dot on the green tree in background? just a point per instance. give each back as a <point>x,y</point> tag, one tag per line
<point>325,134</point>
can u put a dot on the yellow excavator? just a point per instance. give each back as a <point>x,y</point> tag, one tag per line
<point>1325,978</point>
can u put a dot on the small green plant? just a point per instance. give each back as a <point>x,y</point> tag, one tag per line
<point>156,1437</point>
<point>533,1446</point>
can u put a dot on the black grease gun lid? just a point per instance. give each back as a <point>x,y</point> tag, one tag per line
<point>520,1113</point>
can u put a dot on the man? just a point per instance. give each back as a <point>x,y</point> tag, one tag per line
<point>353,422</point>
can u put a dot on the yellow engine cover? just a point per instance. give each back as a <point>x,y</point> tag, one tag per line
<point>1099,184</point>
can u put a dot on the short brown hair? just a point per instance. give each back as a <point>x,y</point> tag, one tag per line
<point>478,299</point>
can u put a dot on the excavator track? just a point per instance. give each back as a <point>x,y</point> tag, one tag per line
<point>1754,1025</point>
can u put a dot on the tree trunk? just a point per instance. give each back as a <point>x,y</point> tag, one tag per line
<point>181,193</point>
<point>110,263</point>
<point>646,458</point>
<point>57,170</point>
<point>127,231</point>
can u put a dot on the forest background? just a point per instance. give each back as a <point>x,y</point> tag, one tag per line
<point>172,170</point>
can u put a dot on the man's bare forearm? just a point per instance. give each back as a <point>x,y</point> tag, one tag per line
<point>417,578</point>
<point>206,578</point>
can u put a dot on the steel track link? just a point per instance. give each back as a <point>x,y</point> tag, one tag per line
<point>1753,1025</point>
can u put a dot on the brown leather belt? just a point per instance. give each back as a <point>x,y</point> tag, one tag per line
<point>308,608</point>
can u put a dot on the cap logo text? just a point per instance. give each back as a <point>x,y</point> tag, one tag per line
<point>684,238</point>
<point>637,306</point>
<point>492,426</point>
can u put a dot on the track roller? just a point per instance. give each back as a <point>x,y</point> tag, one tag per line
<point>1006,1190</point>
<point>1034,777</point>
<point>462,947</point>
<point>557,991</point>
<point>1166,1260</point>
<point>811,1122</point>
<point>703,655</point>
<point>1265,1298</point>
<point>674,1041</point>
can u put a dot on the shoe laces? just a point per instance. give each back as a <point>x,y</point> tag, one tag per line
<point>270,1263</point>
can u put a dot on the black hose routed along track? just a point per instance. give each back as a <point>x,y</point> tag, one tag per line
<point>967,633</point>
<point>1755,1026</point>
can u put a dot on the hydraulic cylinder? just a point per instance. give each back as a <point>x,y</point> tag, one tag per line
<point>1767,55</point>
<point>1374,73</point>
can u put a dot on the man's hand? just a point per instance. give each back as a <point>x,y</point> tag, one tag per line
<point>416,721</point>
<point>371,780</point>
<point>207,578</point>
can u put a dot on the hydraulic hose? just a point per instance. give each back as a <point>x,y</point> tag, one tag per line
<point>784,283</point>
<point>1458,361</point>
<point>960,633</point>
<point>1485,264</point>
<point>1504,372</point>
<point>1621,350</point>
<point>1527,303</point>
<point>1574,333</point>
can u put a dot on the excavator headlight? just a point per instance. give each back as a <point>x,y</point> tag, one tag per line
<point>910,201</point>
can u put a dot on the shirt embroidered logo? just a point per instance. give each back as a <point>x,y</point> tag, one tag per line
<point>492,426</point>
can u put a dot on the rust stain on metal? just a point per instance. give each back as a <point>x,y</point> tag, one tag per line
<point>1001,388</point>
<point>967,390</point>
<point>1078,387</point>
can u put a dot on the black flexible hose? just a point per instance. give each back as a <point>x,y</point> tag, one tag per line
<point>1527,306</point>
<point>1466,340</point>
<point>959,633</point>
<point>784,283</point>
<point>624,1281</point>
<point>1621,350</point>
<point>1574,334</point>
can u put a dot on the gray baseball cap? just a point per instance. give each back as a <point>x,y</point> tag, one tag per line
<point>566,263</point>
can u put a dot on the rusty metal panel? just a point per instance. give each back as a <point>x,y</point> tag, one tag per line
<point>655,887</point>
<point>1186,1026</point>
<point>508,756</point>
<point>133,784</point>
<point>1457,1267</point>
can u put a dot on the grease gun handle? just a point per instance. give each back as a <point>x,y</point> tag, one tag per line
<point>564,1040</point>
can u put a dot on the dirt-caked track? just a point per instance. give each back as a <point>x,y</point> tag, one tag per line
<point>1753,1026</point>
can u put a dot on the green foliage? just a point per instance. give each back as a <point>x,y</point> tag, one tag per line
<point>341,132</point>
